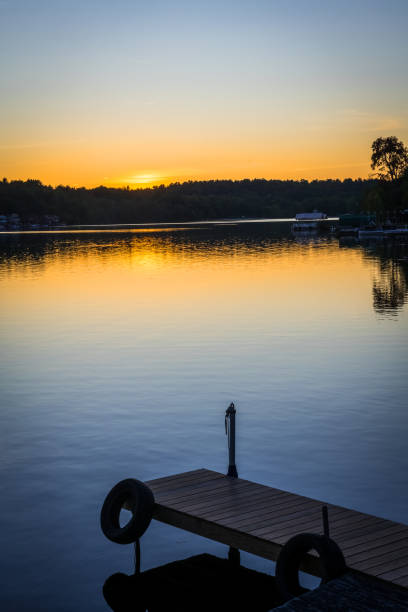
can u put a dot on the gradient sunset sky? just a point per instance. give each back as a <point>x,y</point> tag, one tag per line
<point>140,93</point>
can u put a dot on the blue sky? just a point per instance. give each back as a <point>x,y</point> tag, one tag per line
<point>98,92</point>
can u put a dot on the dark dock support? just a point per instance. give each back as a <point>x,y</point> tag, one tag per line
<point>325,515</point>
<point>137,556</point>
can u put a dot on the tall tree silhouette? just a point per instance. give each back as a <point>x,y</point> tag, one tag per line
<point>389,158</point>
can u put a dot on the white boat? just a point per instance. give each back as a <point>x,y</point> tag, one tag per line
<point>309,222</point>
<point>308,226</point>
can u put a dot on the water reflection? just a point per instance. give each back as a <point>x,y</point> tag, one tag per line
<point>390,276</point>
<point>121,351</point>
<point>390,286</point>
<point>178,587</point>
<point>390,289</point>
<point>33,253</point>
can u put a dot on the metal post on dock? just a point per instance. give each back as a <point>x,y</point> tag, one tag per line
<point>234,555</point>
<point>230,432</point>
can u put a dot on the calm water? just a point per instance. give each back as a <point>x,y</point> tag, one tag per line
<point>121,351</point>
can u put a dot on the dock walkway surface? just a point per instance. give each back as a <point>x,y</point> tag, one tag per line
<point>260,520</point>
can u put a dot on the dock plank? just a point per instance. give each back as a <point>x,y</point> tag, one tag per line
<point>260,519</point>
<point>251,509</point>
<point>376,551</point>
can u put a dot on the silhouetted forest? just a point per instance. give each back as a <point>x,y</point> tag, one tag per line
<point>193,200</point>
<point>387,198</point>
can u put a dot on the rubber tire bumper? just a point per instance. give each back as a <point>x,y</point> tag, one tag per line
<point>290,557</point>
<point>140,500</point>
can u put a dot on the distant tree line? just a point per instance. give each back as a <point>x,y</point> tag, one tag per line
<point>189,201</point>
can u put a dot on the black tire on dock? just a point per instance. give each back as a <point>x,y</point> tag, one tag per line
<point>140,501</point>
<point>290,557</point>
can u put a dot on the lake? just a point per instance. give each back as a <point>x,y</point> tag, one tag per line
<point>122,349</point>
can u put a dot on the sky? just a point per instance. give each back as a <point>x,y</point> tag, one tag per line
<point>141,93</point>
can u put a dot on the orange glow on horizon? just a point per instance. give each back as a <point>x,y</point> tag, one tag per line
<point>137,181</point>
<point>155,179</point>
<point>93,164</point>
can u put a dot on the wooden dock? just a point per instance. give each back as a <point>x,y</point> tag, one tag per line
<point>260,520</point>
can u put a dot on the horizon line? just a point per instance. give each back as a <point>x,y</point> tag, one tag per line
<point>144,187</point>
